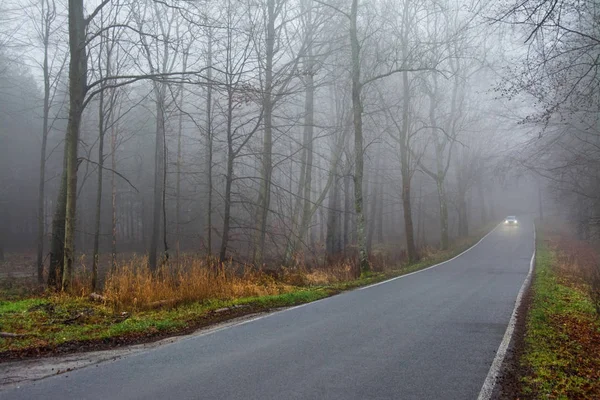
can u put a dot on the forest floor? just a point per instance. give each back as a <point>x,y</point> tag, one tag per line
<point>43,325</point>
<point>556,349</point>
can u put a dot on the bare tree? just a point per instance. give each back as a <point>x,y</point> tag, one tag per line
<point>43,16</point>
<point>240,127</point>
<point>107,65</point>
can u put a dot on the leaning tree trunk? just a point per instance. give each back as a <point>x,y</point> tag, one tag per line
<point>363,256</point>
<point>77,90</point>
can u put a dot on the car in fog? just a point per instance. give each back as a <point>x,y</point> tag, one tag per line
<point>511,220</point>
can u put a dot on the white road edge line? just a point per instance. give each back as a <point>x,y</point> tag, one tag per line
<point>490,381</point>
<point>433,266</point>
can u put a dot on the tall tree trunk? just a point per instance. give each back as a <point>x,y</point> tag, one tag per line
<point>113,151</point>
<point>463,223</point>
<point>77,90</point>
<point>101,131</point>
<point>305,182</point>
<point>462,188</point>
<point>101,135</point>
<point>267,164</point>
<point>411,250</point>
<point>178,173</point>
<point>443,213</point>
<point>178,182</point>
<point>372,221</point>
<point>380,219</point>
<point>228,176</point>
<point>209,148</point>
<point>316,204</point>
<point>159,160</point>
<point>440,172</point>
<point>363,257</point>
<point>347,212</point>
<point>57,247</point>
<point>321,213</point>
<point>333,219</point>
<point>42,182</point>
<point>296,211</point>
<point>309,110</point>
<point>419,216</point>
<point>164,196</point>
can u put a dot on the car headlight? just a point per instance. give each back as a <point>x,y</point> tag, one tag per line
<point>506,221</point>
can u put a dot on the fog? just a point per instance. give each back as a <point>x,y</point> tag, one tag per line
<point>282,132</point>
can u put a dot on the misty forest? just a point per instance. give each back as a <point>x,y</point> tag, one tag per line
<point>190,167</point>
<point>267,138</point>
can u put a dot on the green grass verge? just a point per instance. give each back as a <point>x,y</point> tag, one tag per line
<point>49,322</point>
<point>559,320</point>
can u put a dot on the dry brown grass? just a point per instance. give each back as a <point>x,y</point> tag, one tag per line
<point>134,286</point>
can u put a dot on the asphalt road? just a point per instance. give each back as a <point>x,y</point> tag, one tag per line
<point>430,335</point>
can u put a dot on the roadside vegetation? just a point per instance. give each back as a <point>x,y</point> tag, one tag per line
<point>137,306</point>
<point>561,355</point>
